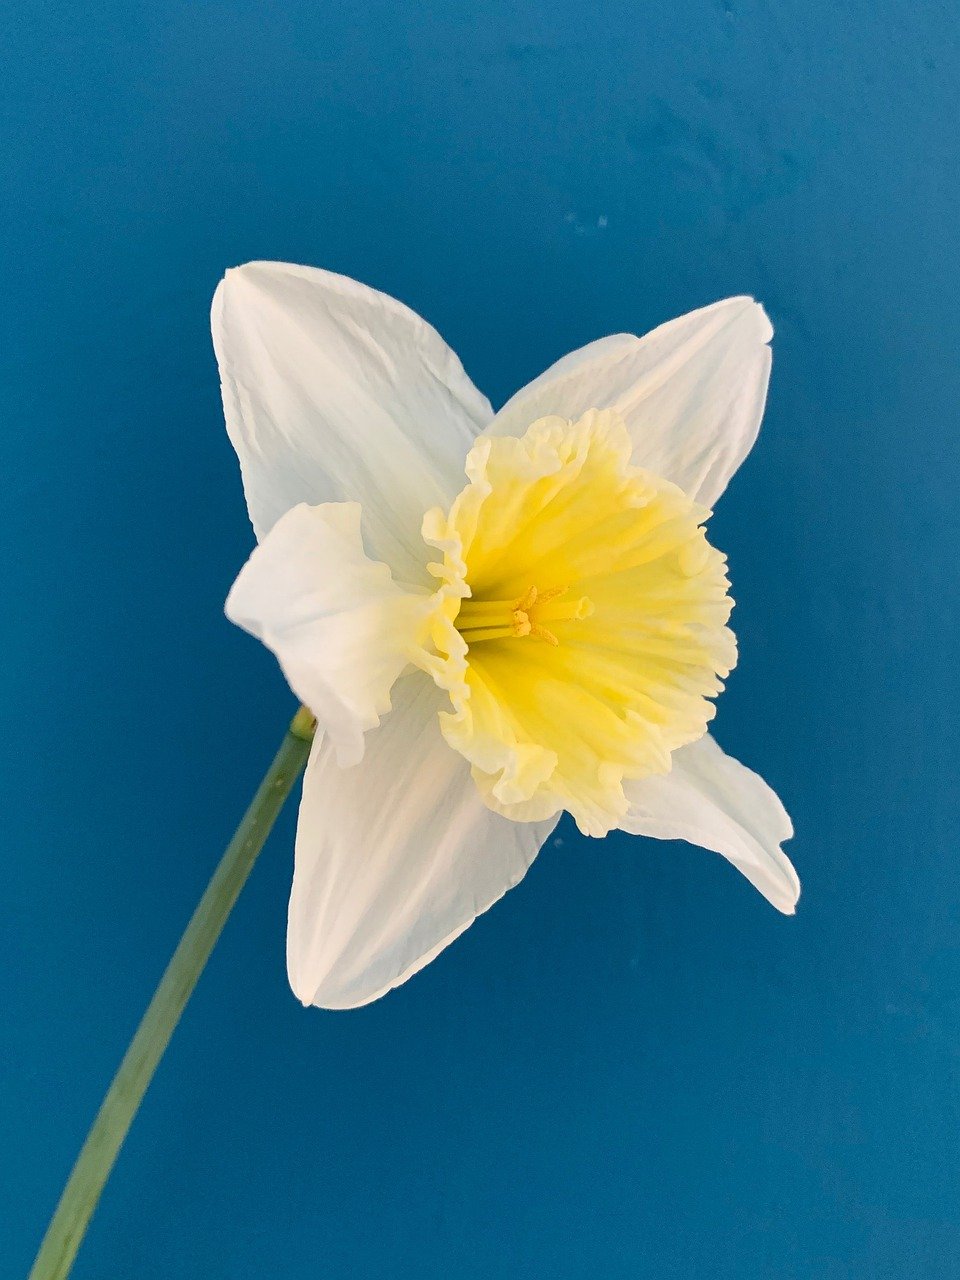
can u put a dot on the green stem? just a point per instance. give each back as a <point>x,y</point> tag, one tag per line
<point>96,1159</point>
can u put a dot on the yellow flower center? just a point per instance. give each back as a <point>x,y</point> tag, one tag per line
<point>580,626</point>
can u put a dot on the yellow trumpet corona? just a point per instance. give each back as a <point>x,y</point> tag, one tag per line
<point>580,626</point>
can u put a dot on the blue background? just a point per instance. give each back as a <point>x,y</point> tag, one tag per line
<point>633,1066</point>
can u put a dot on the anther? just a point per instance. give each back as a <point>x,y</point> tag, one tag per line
<point>542,633</point>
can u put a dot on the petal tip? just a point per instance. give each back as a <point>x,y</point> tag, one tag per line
<point>786,902</point>
<point>790,905</point>
<point>764,322</point>
<point>747,309</point>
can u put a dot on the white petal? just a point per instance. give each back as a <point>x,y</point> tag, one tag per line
<point>712,800</point>
<point>335,392</point>
<point>341,628</point>
<point>692,392</point>
<point>394,858</point>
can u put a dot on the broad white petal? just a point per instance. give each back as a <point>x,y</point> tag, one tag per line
<point>334,392</point>
<point>712,800</point>
<point>692,392</point>
<point>394,858</point>
<point>341,628</point>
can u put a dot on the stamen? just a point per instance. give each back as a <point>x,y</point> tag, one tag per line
<point>502,619</point>
<point>545,596</point>
<point>543,634</point>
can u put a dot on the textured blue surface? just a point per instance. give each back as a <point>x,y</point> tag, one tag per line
<point>632,1066</point>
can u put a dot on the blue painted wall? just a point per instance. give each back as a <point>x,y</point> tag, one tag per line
<point>633,1066</point>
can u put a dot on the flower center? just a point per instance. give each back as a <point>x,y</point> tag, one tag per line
<point>558,538</point>
<point>500,619</point>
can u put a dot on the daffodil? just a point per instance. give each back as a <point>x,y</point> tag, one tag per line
<point>490,619</point>
<point>494,617</point>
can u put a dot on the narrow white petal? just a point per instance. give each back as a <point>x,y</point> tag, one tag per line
<point>692,392</point>
<point>335,392</point>
<point>341,628</point>
<point>712,800</point>
<point>394,858</point>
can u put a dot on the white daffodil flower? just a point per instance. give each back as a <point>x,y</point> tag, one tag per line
<point>493,617</point>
